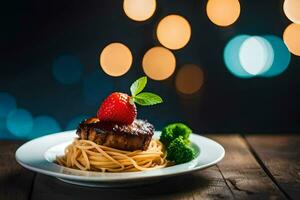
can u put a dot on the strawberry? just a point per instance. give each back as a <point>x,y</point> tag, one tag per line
<point>117,108</point>
<point>120,108</point>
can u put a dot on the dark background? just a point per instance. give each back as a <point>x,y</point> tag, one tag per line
<point>34,33</point>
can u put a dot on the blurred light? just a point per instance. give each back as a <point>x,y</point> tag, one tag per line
<point>291,9</point>
<point>223,12</point>
<point>159,63</point>
<point>256,55</point>
<point>7,104</point>
<point>19,122</point>
<point>282,56</point>
<point>96,86</point>
<point>115,59</point>
<point>67,69</point>
<point>231,56</point>
<point>43,125</point>
<point>4,134</point>
<point>189,79</point>
<point>139,10</point>
<point>2,123</point>
<point>73,123</point>
<point>174,31</point>
<point>291,37</point>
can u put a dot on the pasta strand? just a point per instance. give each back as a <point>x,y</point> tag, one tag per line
<point>89,156</point>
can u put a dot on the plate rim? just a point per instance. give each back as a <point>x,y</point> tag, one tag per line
<point>96,178</point>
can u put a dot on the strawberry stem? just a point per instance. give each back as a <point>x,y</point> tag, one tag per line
<point>131,100</point>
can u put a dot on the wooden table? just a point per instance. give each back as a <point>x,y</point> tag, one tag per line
<point>255,167</point>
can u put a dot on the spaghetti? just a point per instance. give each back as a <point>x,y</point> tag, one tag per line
<point>89,156</point>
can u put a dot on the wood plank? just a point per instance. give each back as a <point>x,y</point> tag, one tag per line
<point>206,184</point>
<point>243,173</point>
<point>15,181</point>
<point>281,156</point>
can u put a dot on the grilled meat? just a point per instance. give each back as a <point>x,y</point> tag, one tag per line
<point>136,136</point>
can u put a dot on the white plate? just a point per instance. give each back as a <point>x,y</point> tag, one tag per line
<point>38,154</point>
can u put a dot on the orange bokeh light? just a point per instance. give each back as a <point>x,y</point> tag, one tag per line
<point>223,12</point>
<point>115,59</point>
<point>159,63</point>
<point>291,37</point>
<point>173,31</point>
<point>291,9</point>
<point>139,10</point>
<point>189,79</point>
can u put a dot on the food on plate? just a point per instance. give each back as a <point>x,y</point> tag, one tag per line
<point>117,107</point>
<point>87,155</point>
<point>176,139</point>
<point>115,141</point>
<point>172,131</point>
<point>180,151</point>
<point>130,137</point>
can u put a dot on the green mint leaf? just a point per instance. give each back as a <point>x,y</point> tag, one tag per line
<point>147,99</point>
<point>138,86</point>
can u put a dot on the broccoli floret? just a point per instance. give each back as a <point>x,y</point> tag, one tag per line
<point>179,151</point>
<point>173,131</point>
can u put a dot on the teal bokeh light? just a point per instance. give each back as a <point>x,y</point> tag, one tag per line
<point>2,124</point>
<point>231,56</point>
<point>282,56</point>
<point>67,69</point>
<point>43,125</point>
<point>73,123</point>
<point>19,122</point>
<point>269,55</point>
<point>4,133</point>
<point>256,55</point>
<point>7,104</point>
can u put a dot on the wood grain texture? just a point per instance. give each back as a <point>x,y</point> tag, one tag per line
<point>243,173</point>
<point>206,184</point>
<point>15,181</point>
<point>281,156</point>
